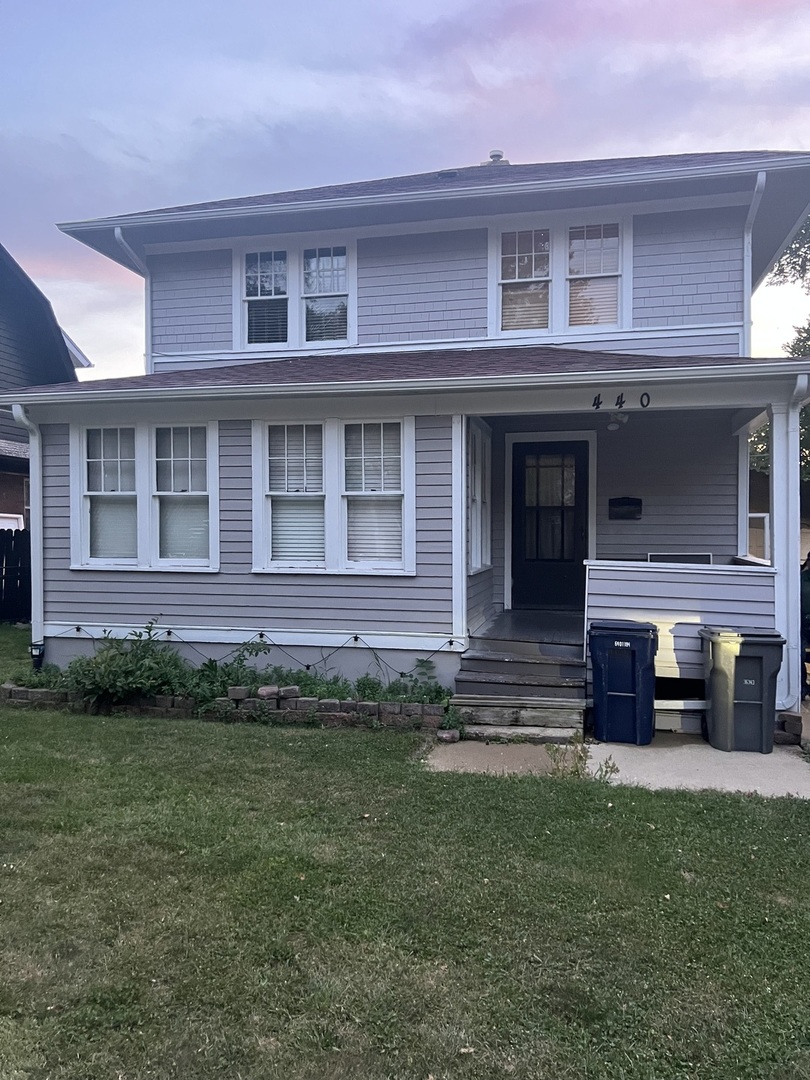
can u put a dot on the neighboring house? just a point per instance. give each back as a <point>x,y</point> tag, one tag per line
<point>33,350</point>
<point>452,415</point>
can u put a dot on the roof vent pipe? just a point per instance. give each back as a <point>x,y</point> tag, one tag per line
<point>496,158</point>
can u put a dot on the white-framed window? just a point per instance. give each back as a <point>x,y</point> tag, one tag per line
<point>555,277</point>
<point>593,275</point>
<point>144,496</point>
<point>525,279</point>
<point>334,496</point>
<point>295,296</point>
<point>479,451</point>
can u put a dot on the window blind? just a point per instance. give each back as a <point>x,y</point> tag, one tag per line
<point>374,528</point>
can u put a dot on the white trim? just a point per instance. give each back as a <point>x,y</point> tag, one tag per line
<point>513,437</point>
<point>147,547</point>
<point>237,635</point>
<point>748,230</point>
<point>35,490</point>
<point>335,560</point>
<point>294,245</point>
<point>558,223</point>
<point>691,568</point>
<point>459,518</point>
<point>785,534</point>
<point>743,491</point>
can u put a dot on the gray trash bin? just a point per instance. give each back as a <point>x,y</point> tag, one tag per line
<point>740,666</point>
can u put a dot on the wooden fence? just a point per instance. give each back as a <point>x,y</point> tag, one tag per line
<point>15,575</point>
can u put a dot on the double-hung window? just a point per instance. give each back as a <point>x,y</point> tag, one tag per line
<point>295,296</point>
<point>334,497</point>
<point>556,277</point>
<point>593,275</point>
<point>110,496</point>
<point>295,493</point>
<point>146,497</point>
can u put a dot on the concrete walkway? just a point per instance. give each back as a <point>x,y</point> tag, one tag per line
<point>671,761</point>
<point>686,761</point>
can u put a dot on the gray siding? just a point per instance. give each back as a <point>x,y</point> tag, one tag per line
<point>235,597</point>
<point>427,286</point>
<point>192,301</point>
<point>683,466</point>
<point>727,343</point>
<point>688,267</point>
<point>480,601</point>
<point>679,600</point>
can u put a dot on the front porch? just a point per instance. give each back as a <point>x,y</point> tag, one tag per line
<point>593,517</point>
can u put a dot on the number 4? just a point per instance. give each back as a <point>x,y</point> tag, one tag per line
<point>597,402</point>
<point>620,401</point>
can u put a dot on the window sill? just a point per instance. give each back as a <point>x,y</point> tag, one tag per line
<point>177,568</point>
<point>479,570</point>
<point>365,571</point>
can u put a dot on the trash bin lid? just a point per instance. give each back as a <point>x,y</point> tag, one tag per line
<point>624,626</point>
<point>741,633</point>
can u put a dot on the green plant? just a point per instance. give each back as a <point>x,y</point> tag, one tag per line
<point>572,759</point>
<point>124,669</point>
<point>369,688</point>
<point>453,719</point>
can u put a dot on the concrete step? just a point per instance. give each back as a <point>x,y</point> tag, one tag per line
<point>532,734</point>
<point>523,665</point>
<point>566,650</point>
<point>494,684</point>
<point>520,712</point>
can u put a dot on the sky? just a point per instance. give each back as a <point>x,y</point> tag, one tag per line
<point>112,108</point>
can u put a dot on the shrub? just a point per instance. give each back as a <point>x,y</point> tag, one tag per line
<point>124,669</point>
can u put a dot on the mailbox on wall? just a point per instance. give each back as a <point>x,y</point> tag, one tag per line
<point>624,509</point>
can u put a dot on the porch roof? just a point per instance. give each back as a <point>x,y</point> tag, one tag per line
<point>425,370</point>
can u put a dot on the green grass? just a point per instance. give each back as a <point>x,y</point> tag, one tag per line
<point>14,655</point>
<point>187,900</point>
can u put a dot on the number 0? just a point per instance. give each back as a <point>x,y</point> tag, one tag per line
<point>644,400</point>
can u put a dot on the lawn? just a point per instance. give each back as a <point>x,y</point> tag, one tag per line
<point>193,900</point>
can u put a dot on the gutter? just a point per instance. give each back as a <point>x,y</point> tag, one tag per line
<point>409,386</point>
<point>474,191</point>
<point>756,199</point>
<point>35,481</point>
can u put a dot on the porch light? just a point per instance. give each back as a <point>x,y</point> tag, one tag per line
<point>617,419</point>
<point>37,652</point>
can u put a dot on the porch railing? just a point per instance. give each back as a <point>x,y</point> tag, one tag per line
<point>679,599</point>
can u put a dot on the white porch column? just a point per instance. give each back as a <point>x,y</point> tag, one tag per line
<point>785,553</point>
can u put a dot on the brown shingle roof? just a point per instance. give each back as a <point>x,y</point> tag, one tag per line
<point>457,179</point>
<point>425,364</point>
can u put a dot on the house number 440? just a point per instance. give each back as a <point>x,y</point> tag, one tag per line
<point>620,402</point>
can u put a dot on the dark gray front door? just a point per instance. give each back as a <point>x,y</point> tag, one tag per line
<point>549,524</point>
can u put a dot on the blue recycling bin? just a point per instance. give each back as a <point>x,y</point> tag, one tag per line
<point>623,659</point>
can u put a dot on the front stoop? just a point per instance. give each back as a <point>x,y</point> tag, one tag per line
<point>520,690</point>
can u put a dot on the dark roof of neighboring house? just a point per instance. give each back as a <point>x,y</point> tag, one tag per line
<point>357,371</point>
<point>10,449</point>
<point>473,176</point>
<point>34,338</point>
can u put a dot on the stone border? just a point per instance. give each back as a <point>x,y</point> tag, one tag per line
<point>272,705</point>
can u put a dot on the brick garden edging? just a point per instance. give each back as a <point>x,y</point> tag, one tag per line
<point>273,704</point>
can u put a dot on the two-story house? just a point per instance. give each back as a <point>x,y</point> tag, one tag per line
<point>459,414</point>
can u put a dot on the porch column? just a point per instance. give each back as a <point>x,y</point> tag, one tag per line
<point>785,529</point>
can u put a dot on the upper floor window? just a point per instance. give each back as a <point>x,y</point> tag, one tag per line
<point>146,497</point>
<point>292,297</point>
<point>593,275</point>
<point>559,278</point>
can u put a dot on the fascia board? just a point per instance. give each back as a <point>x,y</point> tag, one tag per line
<point>474,191</point>
<point>647,376</point>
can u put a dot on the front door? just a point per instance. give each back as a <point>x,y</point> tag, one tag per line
<point>549,524</point>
